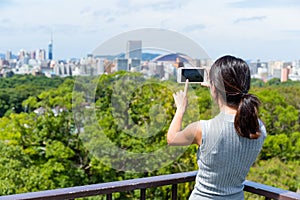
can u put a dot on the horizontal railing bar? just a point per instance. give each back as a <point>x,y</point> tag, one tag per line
<point>106,188</point>
<point>269,191</point>
<point>143,183</point>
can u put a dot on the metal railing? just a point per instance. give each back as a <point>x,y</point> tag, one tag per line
<point>142,184</point>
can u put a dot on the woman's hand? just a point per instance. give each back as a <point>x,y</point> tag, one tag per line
<point>181,99</point>
<point>205,84</point>
<point>192,134</point>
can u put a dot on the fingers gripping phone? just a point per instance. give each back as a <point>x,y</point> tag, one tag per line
<point>195,75</point>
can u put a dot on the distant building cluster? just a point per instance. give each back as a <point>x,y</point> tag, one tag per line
<point>162,66</point>
<point>275,69</point>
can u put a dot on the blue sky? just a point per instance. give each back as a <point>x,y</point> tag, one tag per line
<point>251,29</point>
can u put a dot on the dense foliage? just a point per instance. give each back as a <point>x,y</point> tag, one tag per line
<point>57,133</point>
<point>14,90</point>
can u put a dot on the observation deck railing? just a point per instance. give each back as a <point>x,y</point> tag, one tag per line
<point>142,184</point>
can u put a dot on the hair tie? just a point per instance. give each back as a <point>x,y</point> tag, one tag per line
<point>244,92</point>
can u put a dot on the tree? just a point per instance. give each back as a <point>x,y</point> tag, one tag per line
<point>278,116</point>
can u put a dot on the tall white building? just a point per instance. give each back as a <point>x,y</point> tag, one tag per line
<point>8,55</point>
<point>134,49</point>
<point>99,66</point>
<point>41,54</point>
<point>275,68</point>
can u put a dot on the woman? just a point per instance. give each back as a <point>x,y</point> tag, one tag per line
<point>230,142</point>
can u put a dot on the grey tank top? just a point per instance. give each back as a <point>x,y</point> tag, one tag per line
<point>224,159</point>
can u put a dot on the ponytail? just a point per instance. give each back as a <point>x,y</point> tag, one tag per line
<point>246,119</point>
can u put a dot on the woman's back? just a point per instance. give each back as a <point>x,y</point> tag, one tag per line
<point>224,159</point>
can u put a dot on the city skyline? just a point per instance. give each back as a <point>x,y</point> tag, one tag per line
<point>250,29</point>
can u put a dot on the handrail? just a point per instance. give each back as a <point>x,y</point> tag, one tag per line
<point>143,184</point>
<point>269,192</point>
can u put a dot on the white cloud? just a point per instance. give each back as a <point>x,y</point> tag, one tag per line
<point>249,19</point>
<point>265,3</point>
<point>193,27</point>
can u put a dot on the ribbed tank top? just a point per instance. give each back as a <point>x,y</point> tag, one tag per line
<point>224,159</point>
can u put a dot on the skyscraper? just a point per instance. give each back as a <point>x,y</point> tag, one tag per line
<point>8,55</point>
<point>134,49</point>
<point>40,54</point>
<point>50,49</point>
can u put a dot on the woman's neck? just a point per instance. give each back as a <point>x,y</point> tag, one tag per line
<point>226,109</point>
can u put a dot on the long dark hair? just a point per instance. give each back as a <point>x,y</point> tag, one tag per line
<point>231,78</point>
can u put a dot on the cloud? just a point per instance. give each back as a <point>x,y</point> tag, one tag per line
<point>110,20</point>
<point>28,29</point>
<point>67,29</point>
<point>249,19</point>
<point>117,11</point>
<point>85,10</point>
<point>166,5</point>
<point>5,3</point>
<point>292,33</point>
<point>102,13</point>
<point>265,3</point>
<point>156,5</point>
<point>7,30</point>
<point>5,21</point>
<point>194,27</point>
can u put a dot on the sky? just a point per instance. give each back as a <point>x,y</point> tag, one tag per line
<point>250,29</point>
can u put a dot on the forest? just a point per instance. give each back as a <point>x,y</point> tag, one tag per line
<point>64,132</point>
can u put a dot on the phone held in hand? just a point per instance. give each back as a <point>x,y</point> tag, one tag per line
<point>195,75</point>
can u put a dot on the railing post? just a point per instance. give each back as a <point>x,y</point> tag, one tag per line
<point>174,192</point>
<point>143,194</point>
<point>109,197</point>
